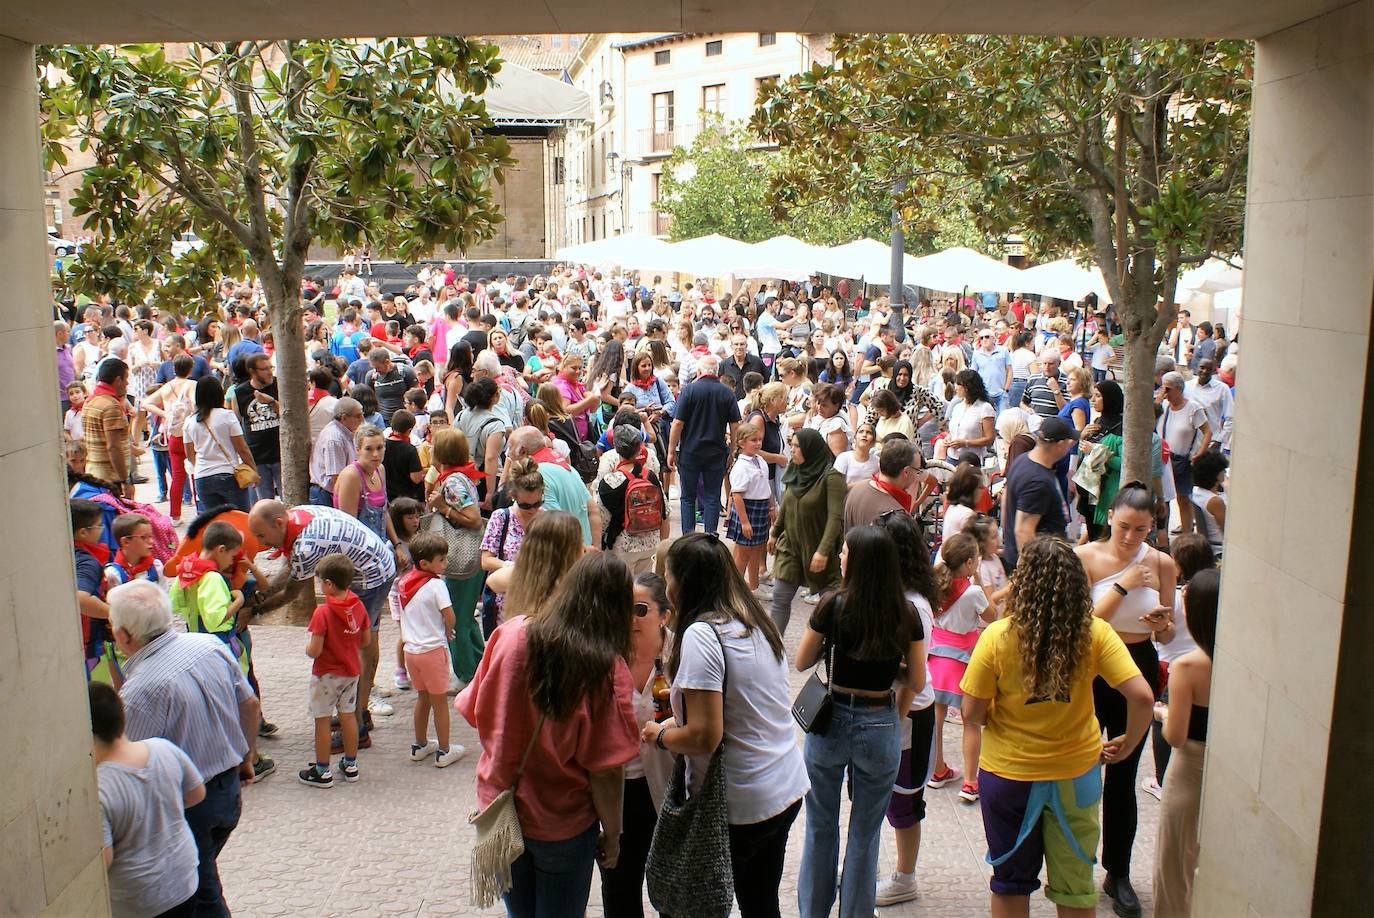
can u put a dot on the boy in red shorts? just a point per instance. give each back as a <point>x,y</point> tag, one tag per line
<point>338,630</point>
<point>426,628</point>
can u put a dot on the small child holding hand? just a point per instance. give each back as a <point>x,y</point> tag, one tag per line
<point>338,629</point>
<point>427,625</point>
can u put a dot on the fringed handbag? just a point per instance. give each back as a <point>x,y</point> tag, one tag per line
<point>500,841</point>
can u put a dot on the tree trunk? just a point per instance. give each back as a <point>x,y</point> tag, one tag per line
<point>1138,389</point>
<point>283,304</point>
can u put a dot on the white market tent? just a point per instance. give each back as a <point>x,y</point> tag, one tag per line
<point>1212,276</point>
<point>957,269</point>
<point>519,95</point>
<point>1064,279</point>
<point>705,256</point>
<point>865,259</point>
<point>782,257</point>
<point>630,251</point>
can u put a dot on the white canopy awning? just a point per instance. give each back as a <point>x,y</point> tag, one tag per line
<point>954,270</point>
<point>629,251</point>
<point>866,259</point>
<point>705,256</point>
<point>782,257</point>
<point>1064,279</point>
<point>1212,276</point>
<point>519,95</point>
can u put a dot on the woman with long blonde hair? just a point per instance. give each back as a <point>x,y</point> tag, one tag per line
<point>550,548</point>
<point>1029,684</point>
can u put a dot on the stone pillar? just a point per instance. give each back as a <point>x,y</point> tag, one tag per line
<point>49,814</point>
<point>1286,826</point>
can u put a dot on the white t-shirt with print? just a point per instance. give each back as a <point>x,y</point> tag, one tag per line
<point>764,770</point>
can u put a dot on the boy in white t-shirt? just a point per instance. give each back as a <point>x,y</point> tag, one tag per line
<point>427,625</point>
<point>71,423</point>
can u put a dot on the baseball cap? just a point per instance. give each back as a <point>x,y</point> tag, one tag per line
<point>1055,430</point>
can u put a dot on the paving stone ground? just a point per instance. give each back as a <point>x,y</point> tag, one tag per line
<point>396,842</point>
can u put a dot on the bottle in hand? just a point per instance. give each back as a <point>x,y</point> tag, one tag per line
<point>663,709</point>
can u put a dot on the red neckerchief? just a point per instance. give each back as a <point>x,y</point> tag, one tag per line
<point>469,469</point>
<point>547,454</point>
<point>957,587</point>
<point>344,606</point>
<point>107,389</point>
<point>983,502</point>
<point>701,351</point>
<point>411,582</point>
<point>98,550</point>
<point>315,395</point>
<point>133,569</point>
<point>296,520</point>
<point>901,497</point>
<point>192,569</point>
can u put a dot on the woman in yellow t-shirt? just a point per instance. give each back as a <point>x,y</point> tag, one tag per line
<point>1029,684</point>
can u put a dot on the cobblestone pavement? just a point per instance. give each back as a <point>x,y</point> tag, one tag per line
<point>396,842</point>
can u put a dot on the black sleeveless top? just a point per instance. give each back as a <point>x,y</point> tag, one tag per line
<point>1197,723</point>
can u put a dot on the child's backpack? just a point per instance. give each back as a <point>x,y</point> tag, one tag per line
<point>164,531</point>
<point>643,501</point>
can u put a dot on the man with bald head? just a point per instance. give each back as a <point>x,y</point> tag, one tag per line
<point>704,422</point>
<point>250,344</point>
<point>563,488</point>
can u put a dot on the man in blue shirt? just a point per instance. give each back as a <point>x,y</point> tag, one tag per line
<point>993,363</point>
<point>249,345</point>
<point>704,422</point>
<point>176,346</point>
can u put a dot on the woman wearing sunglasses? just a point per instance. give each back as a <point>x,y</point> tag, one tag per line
<point>507,526</point>
<point>646,777</point>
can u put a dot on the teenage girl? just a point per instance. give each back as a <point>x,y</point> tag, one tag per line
<point>751,504</point>
<point>405,519</point>
<point>963,606</point>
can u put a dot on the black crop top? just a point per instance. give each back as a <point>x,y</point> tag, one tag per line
<point>1197,723</point>
<point>865,675</point>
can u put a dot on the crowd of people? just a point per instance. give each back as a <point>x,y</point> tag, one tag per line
<point>492,464</point>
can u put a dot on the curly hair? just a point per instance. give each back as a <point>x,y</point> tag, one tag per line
<point>1051,612</point>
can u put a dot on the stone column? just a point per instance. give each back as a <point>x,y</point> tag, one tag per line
<point>49,814</point>
<point>1288,787</point>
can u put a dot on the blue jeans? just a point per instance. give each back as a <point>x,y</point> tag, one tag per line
<point>269,485</point>
<point>1014,394</point>
<point>553,879</point>
<point>700,484</point>
<point>319,497</point>
<point>219,490</point>
<point>867,742</point>
<point>212,821</point>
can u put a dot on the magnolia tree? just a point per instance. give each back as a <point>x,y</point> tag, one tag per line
<point>1130,151</point>
<point>261,148</point>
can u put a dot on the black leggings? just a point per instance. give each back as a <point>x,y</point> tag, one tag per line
<point>622,887</point>
<point>757,852</point>
<point>1118,789</point>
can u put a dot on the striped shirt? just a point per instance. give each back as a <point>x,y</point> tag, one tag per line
<point>333,452</point>
<point>142,816</point>
<point>331,530</point>
<point>1040,396</point>
<point>187,688</point>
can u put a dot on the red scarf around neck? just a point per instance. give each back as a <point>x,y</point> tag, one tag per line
<point>344,607</point>
<point>97,550</point>
<point>900,496</point>
<point>107,389</point>
<point>296,520</point>
<point>957,587</point>
<point>469,469</point>
<point>547,454</point>
<point>134,569</point>
<point>315,395</point>
<point>411,582</point>
<point>192,569</point>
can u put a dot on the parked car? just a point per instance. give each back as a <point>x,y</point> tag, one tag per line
<point>60,247</point>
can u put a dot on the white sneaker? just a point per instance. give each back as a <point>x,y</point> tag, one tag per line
<point>445,759</point>
<point>380,707</point>
<point>898,887</point>
<point>420,753</point>
<point>1151,787</point>
<point>455,685</point>
<point>811,598</point>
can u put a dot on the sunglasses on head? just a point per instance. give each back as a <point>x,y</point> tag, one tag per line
<point>532,505</point>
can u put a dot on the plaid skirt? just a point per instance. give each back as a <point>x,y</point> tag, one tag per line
<point>757,511</point>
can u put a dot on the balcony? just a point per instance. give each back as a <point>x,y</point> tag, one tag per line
<point>653,223</point>
<point>654,142</point>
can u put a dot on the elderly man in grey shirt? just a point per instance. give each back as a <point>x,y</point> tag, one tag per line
<point>334,450</point>
<point>188,689</point>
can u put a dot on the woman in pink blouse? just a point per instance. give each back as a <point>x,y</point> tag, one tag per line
<point>575,395</point>
<point>562,679</point>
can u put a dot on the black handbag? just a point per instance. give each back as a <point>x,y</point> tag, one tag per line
<point>812,708</point>
<point>689,872</point>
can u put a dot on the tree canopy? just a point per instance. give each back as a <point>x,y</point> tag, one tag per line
<point>1132,152</point>
<point>261,148</point>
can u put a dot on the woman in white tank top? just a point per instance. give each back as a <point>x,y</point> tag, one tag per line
<point>1128,577</point>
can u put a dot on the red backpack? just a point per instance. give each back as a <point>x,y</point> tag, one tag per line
<point>643,501</point>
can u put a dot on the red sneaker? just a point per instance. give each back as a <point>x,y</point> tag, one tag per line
<point>969,792</point>
<point>946,775</point>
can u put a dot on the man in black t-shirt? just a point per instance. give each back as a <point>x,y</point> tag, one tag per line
<point>389,381</point>
<point>1032,502</point>
<point>260,415</point>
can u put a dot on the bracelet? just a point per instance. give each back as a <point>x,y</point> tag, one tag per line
<point>658,740</point>
<point>1120,589</point>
